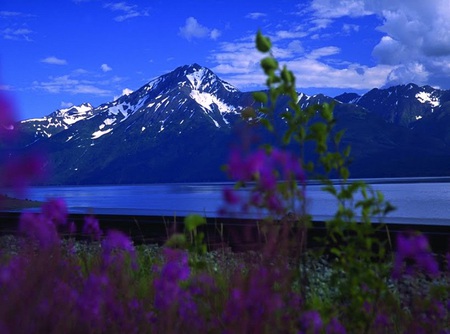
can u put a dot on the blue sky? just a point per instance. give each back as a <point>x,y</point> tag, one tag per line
<point>57,53</point>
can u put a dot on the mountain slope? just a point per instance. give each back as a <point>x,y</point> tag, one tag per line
<point>179,128</point>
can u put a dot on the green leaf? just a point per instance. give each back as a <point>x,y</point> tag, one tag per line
<point>269,65</point>
<point>177,240</point>
<point>248,113</point>
<point>263,43</point>
<point>347,151</point>
<point>267,124</point>
<point>344,173</point>
<point>193,221</point>
<point>338,137</point>
<point>260,97</point>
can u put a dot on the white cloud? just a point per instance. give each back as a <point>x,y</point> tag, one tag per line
<point>214,34</point>
<point>16,27</point>
<point>66,104</point>
<point>239,64</point>
<point>323,52</point>
<point>416,39</point>
<point>349,28</point>
<point>127,91</point>
<point>66,84</point>
<point>339,8</point>
<point>4,14</point>
<point>54,61</point>
<point>127,11</point>
<point>255,15</point>
<point>6,87</point>
<point>16,34</point>
<point>192,29</point>
<point>105,68</point>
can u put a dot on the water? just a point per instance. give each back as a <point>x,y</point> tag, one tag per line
<point>424,202</point>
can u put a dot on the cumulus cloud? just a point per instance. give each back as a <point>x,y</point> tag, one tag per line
<point>127,91</point>
<point>126,11</point>
<point>6,87</point>
<point>323,52</point>
<point>67,84</point>
<point>238,63</point>
<point>16,34</point>
<point>54,61</point>
<point>66,104</point>
<point>105,68</point>
<point>255,15</point>
<point>16,26</point>
<point>416,41</point>
<point>193,29</point>
<point>339,8</point>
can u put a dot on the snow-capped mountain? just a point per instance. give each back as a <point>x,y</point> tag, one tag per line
<point>403,104</point>
<point>57,121</point>
<point>185,115</point>
<point>179,127</point>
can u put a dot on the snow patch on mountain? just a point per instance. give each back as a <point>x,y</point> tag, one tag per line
<point>206,100</point>
<point>74,114</point>
<point>424,97</point>
<point>196,78</point>
<point>99,133</point>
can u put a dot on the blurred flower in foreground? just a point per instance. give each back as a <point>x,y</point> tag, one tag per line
<point>91,227</point>
<point>16,171</point>
<point>274,173</point>
<point>414,255</point>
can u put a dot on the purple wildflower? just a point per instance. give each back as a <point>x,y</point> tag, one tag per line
<point>382,320</point>
<point>448,261</point>
<point>20,171</point>
<point>335,327</point>
<point>253,305</point>
<point>39,228</point>
<point>55,210</point>
<point>415,249</point>
<point>311,322</point>
<point>167,286</point>
<point>117,240</point>
<point>7,116</point>
<point>230,196</point>
<point>91,227</point>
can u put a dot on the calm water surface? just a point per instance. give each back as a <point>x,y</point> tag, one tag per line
<point>416,202</point>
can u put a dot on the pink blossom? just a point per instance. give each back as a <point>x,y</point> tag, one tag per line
<point>91,227</point>
<point>38,227</point>
<point>55,210</point>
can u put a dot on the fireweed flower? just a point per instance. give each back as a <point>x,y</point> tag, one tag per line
<point>91,301</point>
<point>38,227</point>
<point>335,327</point>
<point>254,304</point>
<point>167,286</point>
<point>55,210</point>
<point>413,254</point>
<point>115,245</point>
<point>266,169</point>
<point>311,322</point>
<point>447,257</point>
<point>91,227</point>
<point>18,172</point>
<point>230,196</point>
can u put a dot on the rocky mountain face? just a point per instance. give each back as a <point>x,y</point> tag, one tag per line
<point>403,104</point>
<point>179,128</point>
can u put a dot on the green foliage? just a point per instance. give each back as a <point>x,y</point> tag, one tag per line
<point>359,268</point>
<point>192,240</point>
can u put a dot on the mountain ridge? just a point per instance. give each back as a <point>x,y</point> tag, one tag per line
<point>179,127</point>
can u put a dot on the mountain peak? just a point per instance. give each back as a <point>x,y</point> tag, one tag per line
<point>74,114</point>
